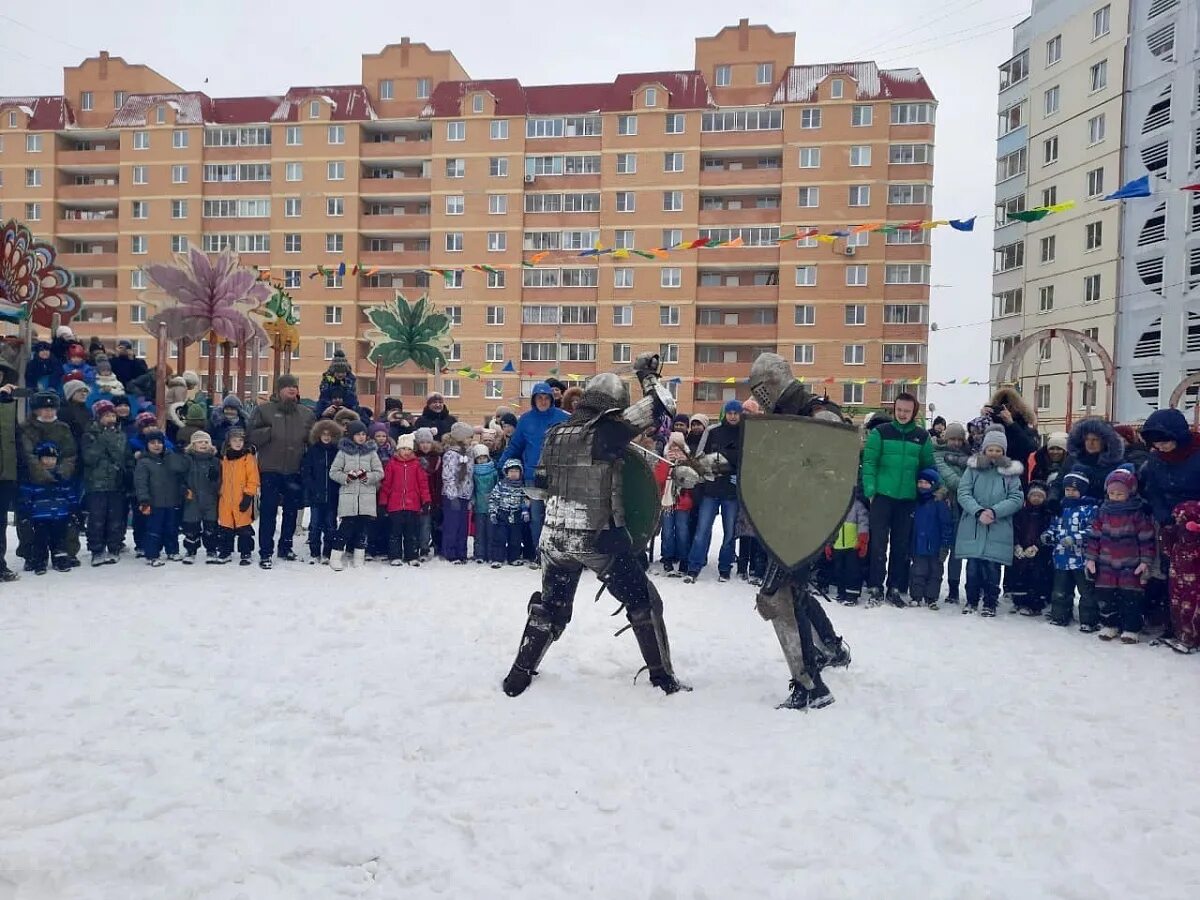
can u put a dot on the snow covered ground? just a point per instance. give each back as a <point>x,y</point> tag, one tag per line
<point>231,733</point>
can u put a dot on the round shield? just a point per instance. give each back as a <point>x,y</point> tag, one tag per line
<point>639,492</point>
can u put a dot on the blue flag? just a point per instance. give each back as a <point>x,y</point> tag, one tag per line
<point>1139,187</point>
<point>963,224</point>
<point>508,367</point>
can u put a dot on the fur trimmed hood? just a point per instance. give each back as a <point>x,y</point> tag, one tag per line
<point>1004,465</point>
<point>347,446</point>
<point>1113,451</point>
<point>325,426</point>
<point>345,416</point>
<point>1016,404</point>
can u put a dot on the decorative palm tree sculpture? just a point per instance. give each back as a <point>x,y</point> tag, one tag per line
<point>406,332</point>
<point>31,285</point>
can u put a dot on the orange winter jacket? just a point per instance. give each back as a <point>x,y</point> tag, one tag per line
<point>239,477</point>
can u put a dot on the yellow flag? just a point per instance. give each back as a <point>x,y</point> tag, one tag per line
<point>935,223</point>
<point>1061,207</point>
<point>731,380</point>
<point>916,381</point>
<point>966,380</point>
<point>620,253</point>
<point>826,238</point>
<point>487,369</point>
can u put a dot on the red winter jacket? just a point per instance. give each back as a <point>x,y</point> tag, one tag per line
<point>683,499</point>
<point>405,486</point>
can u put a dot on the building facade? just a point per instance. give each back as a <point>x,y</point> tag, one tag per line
<point>420,168</point>
<point>1061,107</point>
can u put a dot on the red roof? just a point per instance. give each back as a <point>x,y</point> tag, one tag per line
<point>799,84</point>
<point>349,102</point>
<point>242,110</point>
<point>45,113</point>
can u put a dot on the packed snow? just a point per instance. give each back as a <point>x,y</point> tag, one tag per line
<point>230,733</point>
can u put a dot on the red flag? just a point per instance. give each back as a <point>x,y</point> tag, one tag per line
<point>1191,187</point>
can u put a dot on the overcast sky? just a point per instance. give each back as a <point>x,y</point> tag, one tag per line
<point>264,47</point>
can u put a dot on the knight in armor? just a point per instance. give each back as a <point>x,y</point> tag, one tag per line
<point>580,478</point>
<point>785,599</point>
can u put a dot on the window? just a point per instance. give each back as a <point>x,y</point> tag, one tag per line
<point>292,138</point>
<point>497,204</point>
<point>674,123</point>
<point>860,195</point>
<point>626,201</point>
<point>456,131</point>
<point>912,113</point>
<point>497,241</point>
<point>1091,289</point>
<point>453,279</point>
<point>852,394</point>
<point>1100,22</point>
<point>1015,70</point>
<point>494,315</point>
<point>855,314</point>
<point>910,154</point>
<point>623,239</point>
<point>293,171</point>
<point>33,212</point>
<point>335,206</point>
<point>331,348</point>
<point>651,98</point>
<point>835,89</point>
<point>335,243</point>
<point>764,73</point>
<point>856,275</point>
<point>1098,76</point>
<point>623,277</point>
<point>333,315</point>
<point>118,99</point>
<point>179,209</point>
<point>627,125</point>
<point>291,278</point>
<point>137,280</point>
<point>1093,236</point>
<point>456,204</point>
<point>908,194</point>
<point>668,353</point>
<point>141,140</point>
<point>179,174</point>
<point>1096,129</point>
<point>477,103</point>
<point>860,156</point>
<point>493,353</point>
<point>810,117</point>
<point>908,273</point>
<point>627,163</point>
<point>1008,303</point>
<point>335,171</point>
<point>141,175</point>
<point>496,279</point>
<point>622,315</point>
<point>806,314</point>
<point>904,313</point>
<point>423,88</point>
<point>1047,249</point>
<point>386,89</point>
<point>806,276</point>
<point>139,209</point>
<point>622,353</point>
<point>672,201</point>
<point>810,157</point>
<point>1011,165</point>
<point>314,112</point>
<point>1050,101</point>
<point>672,162</point>
<point>1053,50</point>
<point>672,236</point>
<point>456,168</point>
<point>291,243</point>
<point>854,354</point>
<point>498,167</point>
<point>722,76</point>
<point>671,277</point>
<point>454,241</point>
<point>904,354</point>
<point>1050,150</point>
<point>1095,182</point>
<point>1012,118</point>
<point>453,314</point>
<point>1046,298</point>
<point>33,143</point>
<point>862,116</point>
<point>1043,396</point>
<point>499,129</point>
<point>808,196</point>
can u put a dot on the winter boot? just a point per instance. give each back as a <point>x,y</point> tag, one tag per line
<point>189,560</point>
<point>1178,646</point>
<point>689,578</point>
<point>497,565</point>
<point>399,561</point>
<point>722,577</point>
<point>1108,633</point>
<point>1089,628</point>
<point>535,641</point>
<point>263,563</point>
<point>221,560</point>
<point>874,597</point>
<point>288,555</point>
<point>335,560</point>
<point>819,695</point>
<point>62,563</point>
<point>797,699</point>
<point>7,574</point>
<point>895,598</point>
<point>246,560</point>
<point>1129,637</point>
<point>988,611</point>
<point>98,558</point>
<point>839,655</point>
<point>668,568</point>
<point>952,595</point>
<point>360,558</point>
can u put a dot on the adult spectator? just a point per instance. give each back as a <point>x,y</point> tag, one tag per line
<point>1007,408</point>
<point>1095,449</point>
<point>1172,473</point>
<point>1050,464</point>
<point>279,429</point>
<point>43,372</point>
<point>557,389</point>
<point>145,385</point>
<point>570,399</point>
<point>125,365</point>
<point>436,417</point>
<point>893,455</point>
<point>398,421</point>
<point>697,426</point>
<point>720,496</point>
<point>508,425</point>
<point>526,445</point>
<point>937,431</point>
<point>1137,454</point>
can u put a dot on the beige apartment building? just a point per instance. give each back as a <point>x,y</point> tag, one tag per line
<point>420,167</point>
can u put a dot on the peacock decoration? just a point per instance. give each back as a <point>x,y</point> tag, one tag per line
<point>404,332</point>
<point>31,285</point>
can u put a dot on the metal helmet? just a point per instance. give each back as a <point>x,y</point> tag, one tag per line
<point>605,391</point>
<point>770,375</point>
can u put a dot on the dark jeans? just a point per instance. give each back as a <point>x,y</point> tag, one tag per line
<point>379,536</point>
<point>709,507</point>
<point>1062,597</point>
<point>8,502</point>
<point>954,569</point>
<point>162,532</point>
<point>752,557</point>
<point>983,580</point>
<point>675,537</point>
<point>482,548</point>
<point>454,528</point>
<point>890,518</point>
<point>352,533</point>
<point>926,578</point>
<point>404,540</point>
<point>847,573</point>
<point>1121,608</point>
<point>275,491</point>
<point>106,514</point>
<point>322,526</point>
<point>245,540</point>
<point>537,518</point>
<point>137,522</point>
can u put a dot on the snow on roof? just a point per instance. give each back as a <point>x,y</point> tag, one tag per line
<point>348,102</point>
<point>799,85</point>
<point>45,113</point>
<point>190,108</point>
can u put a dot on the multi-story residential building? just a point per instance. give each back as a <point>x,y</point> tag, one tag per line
<point>419,167</point>
<point>1061,105</point>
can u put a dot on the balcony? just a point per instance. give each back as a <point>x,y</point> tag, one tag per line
<point>555,220</point>
<point>395,223</point>
<point>396,150</point>
<point>395,259</point>
<point>89,160</point>
<point>93,296</point>
<point>88,262</point>
<point>745,141</point>
<point>415,186</point>
<point>726,258</point>
<point>564,333</point>
<point>727,334</point>
<point>94,314</point>
<point>738,177</point>
<point>77,192</point>
<point>745,216</point>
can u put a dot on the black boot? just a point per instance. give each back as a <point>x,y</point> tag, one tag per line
<point>659,667</point>
<point>797,699</point>
<point>819,695</point>
<point>535,640</point>
<point>839,655</point>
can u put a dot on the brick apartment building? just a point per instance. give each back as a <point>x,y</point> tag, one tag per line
<point>420,167</point>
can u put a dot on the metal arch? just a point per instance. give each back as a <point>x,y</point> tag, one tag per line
<point>1182,388</point>
<point>1076,341</point>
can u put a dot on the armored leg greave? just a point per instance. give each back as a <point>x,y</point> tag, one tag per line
<point>549,615</point>
<point>627,581</point>
<point>779,609</point>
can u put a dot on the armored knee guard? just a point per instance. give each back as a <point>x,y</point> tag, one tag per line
<point>779,609</point>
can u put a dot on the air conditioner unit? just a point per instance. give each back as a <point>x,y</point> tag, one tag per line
<point>529,179</point>
<point>849,251</point>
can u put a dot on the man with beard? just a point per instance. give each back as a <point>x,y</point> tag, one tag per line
<point>579,475</point>
<point>436,417</point>
<point>279,429</point>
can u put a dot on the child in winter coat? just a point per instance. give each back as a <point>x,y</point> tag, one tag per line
<point>1031,577</point>
<point>990,495</point>
<point>235,508</point>
<point>405,495</point>
<point>202,492</point>
<point>105,470</point>
<point>508,511</point>
<point>45,506</point>
<point>951,461</point>
<point>158,488</point>
<point>321,491</point>
<point>1119,551</point>
<point>357,469</point>
<point>485,476</point>
<point>933,535</point>
<point>1065,539</point>
<point>1181,542</point>
<point>429,455</point>
<point>380,536</point>
<point>675,536</point>
<point>848,550</point>
<point>458,489</point>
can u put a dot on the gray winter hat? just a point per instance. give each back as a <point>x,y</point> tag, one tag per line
<point>994,437</point>
<point>956,430</point>
<point>423,435</point>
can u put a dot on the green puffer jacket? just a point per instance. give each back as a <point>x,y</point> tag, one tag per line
<point>893,456</point>
<point>105,459</point>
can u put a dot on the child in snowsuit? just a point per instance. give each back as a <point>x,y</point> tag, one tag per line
<point>202,492</point>
<point>676,539</point>
<point>990,495</point>
<point>458,489</point>
<point>380,537</point>
<point>357,470</point>
<point>1031,577</point>
<point>1119,551</point>
<point>485,475</point>
<point>158,489</point>
<point>105,470</point>
<point>951,461</point>
<point>320,491</point>
<point>239,486</point>
<point>405,495</point>
<point>429,454</point>
<point>142,423</point>
<point>1065,539</point>
<point>45,506</point>
<point>933,535</point>
<point>1181,542</point>
<point>508,511</point>
<point>849,548</point>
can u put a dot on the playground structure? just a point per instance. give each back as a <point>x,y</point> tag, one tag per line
<point>1077,344</point>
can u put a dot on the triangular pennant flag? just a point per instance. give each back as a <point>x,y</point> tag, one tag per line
<point>676,380</point>
<point>554,371</point>
<point>1139,187</point>
<point>572,377</point>
<point>643,254</point>
<point>621,253</point>
<point>859,229</point>
<point>736,242</point>
<point>731,380</point>
<point>962,224</point>
<point>487,369</point>
<point>341,269</point>
<point>538,257</point>
<point>699,242</point>
<point>508,367</point>
<point>1029,215</point>
<point>826,238</point>
<point>1191,187</point>
<point>354,270</point>
<point>935,223</point>
<point>1061,207</point>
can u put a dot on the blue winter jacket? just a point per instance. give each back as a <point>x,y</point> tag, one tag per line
<point>933,525</point>
<point>54,502</point>
<point>1171,478</point>
<point>319,488</point>
<point>526,442</point>
<point>1068,532</point>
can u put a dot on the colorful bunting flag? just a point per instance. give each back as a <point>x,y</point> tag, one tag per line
<point>1139,187</point>
<point>508,367</point>
<point>962,224</point>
